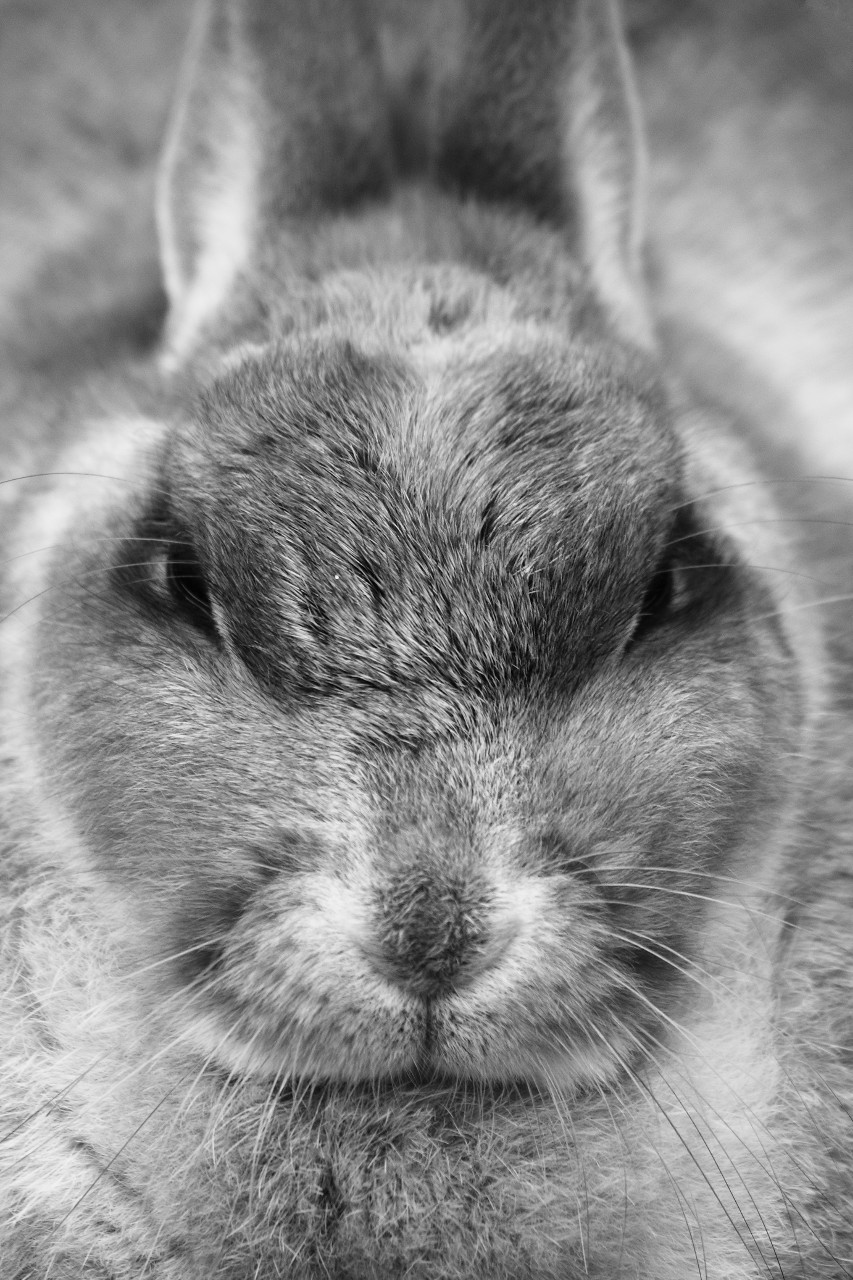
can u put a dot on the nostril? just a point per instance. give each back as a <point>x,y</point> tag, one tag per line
<point>433,935</point>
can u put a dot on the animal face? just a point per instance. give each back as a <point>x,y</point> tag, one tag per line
<point>411,700</point>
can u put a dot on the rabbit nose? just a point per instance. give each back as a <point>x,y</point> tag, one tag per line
<point>433,935</point>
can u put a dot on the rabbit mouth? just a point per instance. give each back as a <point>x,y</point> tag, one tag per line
<point>480,984</point>
<point>416,1085</point>
<point>469,1043</point>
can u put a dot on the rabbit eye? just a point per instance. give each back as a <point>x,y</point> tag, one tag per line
<point>659,596</point>
<point>662,597</point>
<point>186,586</point>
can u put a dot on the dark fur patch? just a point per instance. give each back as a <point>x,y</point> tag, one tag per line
<point>368,535</point>
<point>502,134</point>
<point>430,929</point>
<point>445,314</point>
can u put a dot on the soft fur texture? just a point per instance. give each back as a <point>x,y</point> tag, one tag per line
<point>425,736</point>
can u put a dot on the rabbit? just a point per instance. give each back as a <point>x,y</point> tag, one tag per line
<point>426,816</point>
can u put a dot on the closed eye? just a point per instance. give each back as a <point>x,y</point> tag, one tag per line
<point>690,580</point>
<point>697,570</point>
<point>158,566</point>
<point>185,583</point>
<point>665,594</point>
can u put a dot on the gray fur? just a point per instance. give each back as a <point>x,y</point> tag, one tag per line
<point>425,808</point>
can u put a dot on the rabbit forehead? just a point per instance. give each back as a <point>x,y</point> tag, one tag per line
<point>371,522</point>
<point>516,406</point>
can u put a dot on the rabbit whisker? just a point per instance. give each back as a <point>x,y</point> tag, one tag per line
<point>131,481</point>
<point>106,1167</point>
<point>688,969</point>
<point>761,522</point>
<point>564,1118</point>
<point>757,482</point>
<point>698,897</point>
<point>663,1111</point>
<point>106,539</point>
<point>706,1141</point>
<point>758,1126</point>
<point>754,886</point>
<point>803,606</point>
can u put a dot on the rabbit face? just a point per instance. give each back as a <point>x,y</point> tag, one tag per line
<point>447,686</point>
<point>410,720</point>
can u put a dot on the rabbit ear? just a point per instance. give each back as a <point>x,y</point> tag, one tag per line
<point>536,105</point>
<point>280,113</point>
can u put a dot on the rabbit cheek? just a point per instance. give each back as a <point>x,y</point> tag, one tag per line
<point>558,1012</point>
<point>169,805</point>
<point>294,991</point>
<point>684,799</point>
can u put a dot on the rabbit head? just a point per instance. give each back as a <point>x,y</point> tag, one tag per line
<point>410,692</point>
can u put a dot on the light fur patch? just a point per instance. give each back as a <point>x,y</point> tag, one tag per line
<point>612,175</point>
<point>110,451</point>
<point>223,214</point>
<point>226,223</point>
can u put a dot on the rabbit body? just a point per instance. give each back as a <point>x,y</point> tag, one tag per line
<point>425,779</point>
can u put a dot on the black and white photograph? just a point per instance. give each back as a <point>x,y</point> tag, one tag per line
<point>426,639</point>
